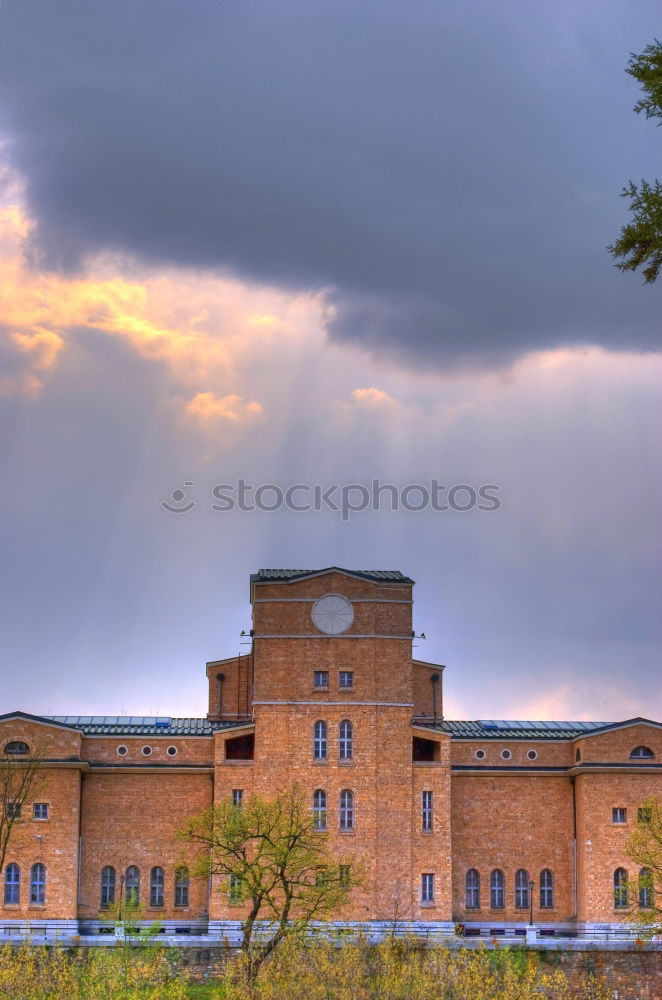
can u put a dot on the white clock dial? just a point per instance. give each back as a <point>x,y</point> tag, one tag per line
<point>332,614</point>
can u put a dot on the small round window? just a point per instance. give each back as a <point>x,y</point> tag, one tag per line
<point>532,754</point>
<point>506,754</point>
<point>480,755</point>
<point>122,751</point>
<point>172,751</point>
<point>147,751</point>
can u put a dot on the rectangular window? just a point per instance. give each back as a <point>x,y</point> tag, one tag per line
<point>346,679</point>
<point>13,810</point>
<point>181,887</point>
<point>426,812</point>
<point>619,815</point>
<point>40,810</point>
<point>235,889</point>
<point>427,888</point>
<point>321,679</point>
<point>644,814</point>
<point>156,894</point>
<point>345,876</point>
<point>237,797</point>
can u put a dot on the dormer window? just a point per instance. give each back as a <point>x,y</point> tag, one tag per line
<point>16,747</point>
<point>642,753</point>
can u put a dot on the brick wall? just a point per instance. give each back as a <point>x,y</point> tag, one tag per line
<point>132,819</point>
<point>507,823</point>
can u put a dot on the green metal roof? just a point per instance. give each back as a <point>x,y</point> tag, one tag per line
<point>141,725</point>
<point>515,729</point>
<point>376,575</point>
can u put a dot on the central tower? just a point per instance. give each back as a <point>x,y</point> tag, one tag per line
<point>333,695</point>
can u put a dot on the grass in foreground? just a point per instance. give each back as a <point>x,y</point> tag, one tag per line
<point>297,971</point>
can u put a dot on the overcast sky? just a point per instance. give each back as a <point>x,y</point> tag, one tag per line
<point>317,241</point>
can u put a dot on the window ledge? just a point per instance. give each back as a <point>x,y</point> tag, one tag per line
<point>11,906</point>
<point>318,761</point>
<point>346,763</point>
<point>37,906</point>
<point>429,906</point>
<point>347,833</point>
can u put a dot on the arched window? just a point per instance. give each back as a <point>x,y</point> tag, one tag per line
<point>38,883</point>
<point>319,740</point>
<point>472,889</point>
<point>132,885</point>
<point>181,886</point>
<point>319,809</point>
<point>16,747</point>
<point>546,889</point>
<point>346,814</point>
<point>621,889</point>
<point>107,886</point>
<point>345,741</point>
<point>645,889</point>
<point>642,753</point>
<point>156,883</point>
<point>497,890</point>
<point>522,901</point>
<point>12,884</point>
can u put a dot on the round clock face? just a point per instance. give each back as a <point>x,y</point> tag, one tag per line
<point>332,614</point>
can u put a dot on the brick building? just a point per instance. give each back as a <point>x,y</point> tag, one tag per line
<point>479,823</point>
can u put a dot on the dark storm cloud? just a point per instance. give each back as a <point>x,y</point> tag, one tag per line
<point>449,171</point>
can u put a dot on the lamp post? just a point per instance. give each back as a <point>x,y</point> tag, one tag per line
<point>531,933</point>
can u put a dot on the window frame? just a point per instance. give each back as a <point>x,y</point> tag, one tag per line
<point>41,805</point>
<point>107,887</point>
<point>427,811</point>
<point>38,876</point>
<point>472,889</point>
<point>645,889</point>
<point>342,676</point>
<point>522,889</point>
<point>182,887</point>
<point>237,797</point>
<point>13,810</point>
<point>235,890</point>
<point>323,676</point>
<point>345,740</point>
<point>616,813</point>
<point>497,889</point>
<point>320,740</point>
<point>320,811</point>
<point>12,886</point>
<point>645,754</point>
<point>621,885</point>
<point>157,888</point>
<point>427,888</point>
<point>9,752</point>
<point>132,885</point>
<point>346,811</point>
<point>547,888</point>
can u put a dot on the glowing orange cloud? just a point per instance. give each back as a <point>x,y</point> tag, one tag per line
<point>206,407</point>
<point>207,329</point>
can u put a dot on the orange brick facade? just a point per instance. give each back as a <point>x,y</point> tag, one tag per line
<point>442,815</point>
